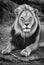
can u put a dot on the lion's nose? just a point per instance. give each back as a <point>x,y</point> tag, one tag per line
<point>26,24</point>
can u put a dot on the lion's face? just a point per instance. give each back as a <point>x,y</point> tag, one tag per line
<point>26,21</point>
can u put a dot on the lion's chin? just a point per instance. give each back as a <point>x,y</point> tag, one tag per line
<point>26,30</point>
<point>27,34</point>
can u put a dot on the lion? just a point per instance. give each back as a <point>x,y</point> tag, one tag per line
<point>25,31</point>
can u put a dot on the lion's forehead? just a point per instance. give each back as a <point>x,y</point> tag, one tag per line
<point>26,14</point>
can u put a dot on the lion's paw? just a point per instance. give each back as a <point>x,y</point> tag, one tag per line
<point>6,50</point>
<point>25,52</point>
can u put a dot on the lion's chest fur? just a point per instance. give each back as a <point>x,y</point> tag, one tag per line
<point>21,42</point>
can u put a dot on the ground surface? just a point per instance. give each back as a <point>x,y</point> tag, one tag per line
<point>9,60</point>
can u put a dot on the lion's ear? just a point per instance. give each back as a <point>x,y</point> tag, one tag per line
<point>19,9</point>
<point>36,11</point>
<point>16,12</point>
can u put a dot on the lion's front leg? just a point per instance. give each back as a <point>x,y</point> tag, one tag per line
<point>27,51</point>
<point>7,49</point>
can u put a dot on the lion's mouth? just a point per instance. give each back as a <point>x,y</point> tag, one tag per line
<point>26,29</point>
<point>29,28</point>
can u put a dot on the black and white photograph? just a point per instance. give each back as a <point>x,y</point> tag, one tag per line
<point>21,32</point>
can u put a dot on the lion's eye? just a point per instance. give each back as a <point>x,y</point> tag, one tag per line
<point>30,18</point>
<point>22,19</point>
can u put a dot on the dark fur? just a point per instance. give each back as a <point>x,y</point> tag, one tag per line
<point>20,42</point>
